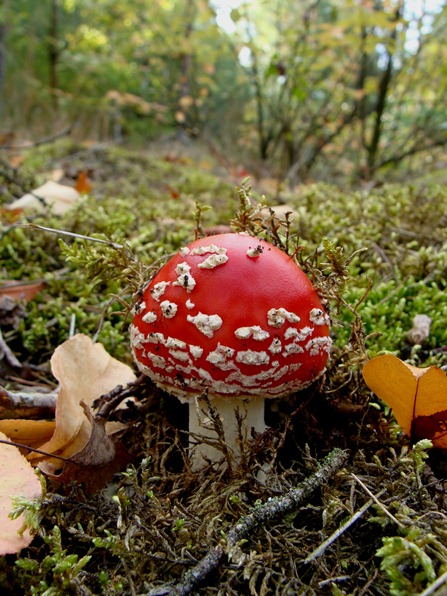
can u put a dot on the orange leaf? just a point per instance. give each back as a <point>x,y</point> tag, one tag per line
<point>417,396</point>
<point>17,479</point>
<point>83,184</point>
<point>9,216</point>
<point>27,432</point>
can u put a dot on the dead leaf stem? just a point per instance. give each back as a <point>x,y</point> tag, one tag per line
<point>73,235</point>
<point>339,531</point>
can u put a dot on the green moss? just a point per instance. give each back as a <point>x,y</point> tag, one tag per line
<point>378,256</point>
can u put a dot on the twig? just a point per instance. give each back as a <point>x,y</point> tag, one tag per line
<point>72,329</point>
<point>107,402</point>
<point>377,502</point>
<point>33,450</point>
<point>44,141</point>
<point>275,508</point>
<point>6,353</point>
<point>73,235</point>
<point>442,579</point>
<point>29,406</point>
<point>324,545</point>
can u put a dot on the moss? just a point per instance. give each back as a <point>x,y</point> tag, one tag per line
<point>378,256</point>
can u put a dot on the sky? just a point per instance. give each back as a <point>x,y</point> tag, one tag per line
<point>224,8</point>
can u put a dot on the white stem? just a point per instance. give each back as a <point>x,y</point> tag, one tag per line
<point>251,411</point>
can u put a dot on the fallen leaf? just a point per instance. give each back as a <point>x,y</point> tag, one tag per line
<point>9,216</point>
<point>21,290</point>
<point>16,160</point>
<point>59,196</point>
<point>83,184</point>
<point>95,465</point>
<point>28,432</point>
<point>175,194</point>
<point>18,479</point>
<point>417,396</point>
<point>85,371</point>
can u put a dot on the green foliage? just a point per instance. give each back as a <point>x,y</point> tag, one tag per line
<point>415,558</point>
<point>408,567</point>
<point>396,248</point>
<point>384,251</point>
<point>321,88</point>
<point>29,508</point>
<point>57,572</point>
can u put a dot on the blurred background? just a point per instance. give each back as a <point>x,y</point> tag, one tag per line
<point>345,91</point>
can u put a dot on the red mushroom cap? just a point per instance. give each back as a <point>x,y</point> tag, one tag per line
<point>234,315</point>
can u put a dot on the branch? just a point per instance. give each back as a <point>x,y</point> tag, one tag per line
<point>44,141</point>
<point>7,354</point>
<point>274,509</point>
<point>27,405</point>
<point>382,99</point>
<point>412,151</point>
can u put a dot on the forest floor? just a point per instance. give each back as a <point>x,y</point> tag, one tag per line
<point>346,503</point>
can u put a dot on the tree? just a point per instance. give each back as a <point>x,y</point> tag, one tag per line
<point>339,79</point>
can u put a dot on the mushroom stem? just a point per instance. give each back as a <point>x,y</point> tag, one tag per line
<point>251,411</point>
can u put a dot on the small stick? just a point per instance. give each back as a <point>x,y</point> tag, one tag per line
<point>73,235</point>
<point>324,545</point>
<point>432,588</point>
<point>33,449</point>
<point>72,329</point>
<point>27,405</point>
<point>377,502</point>
<point>275,508</point>
<point>6,353</point>
<point>107,402</point>
<point>66,131</point>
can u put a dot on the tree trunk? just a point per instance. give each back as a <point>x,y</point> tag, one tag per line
<point>373,147</point>
<point>186,125</point>
<point>2,53</point>
<point>53,51</point>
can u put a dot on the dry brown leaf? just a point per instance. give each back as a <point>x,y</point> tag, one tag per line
<point>95,465</point>
<point>85,371</point>
<point>417,396</point>
<point>17,479</point>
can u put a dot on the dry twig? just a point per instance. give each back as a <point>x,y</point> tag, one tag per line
<point>6,353</point>
<point>34,405</point>
<point>339,531</point>
<point>377,502</point>
<point>276,508</point>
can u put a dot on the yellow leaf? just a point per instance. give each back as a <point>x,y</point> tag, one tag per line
<point>27,432</point>
<point>417,396</point>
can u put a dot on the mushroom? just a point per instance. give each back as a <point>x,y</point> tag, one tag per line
<point>235,317</point>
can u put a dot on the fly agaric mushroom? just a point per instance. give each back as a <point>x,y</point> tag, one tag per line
<point>236,317</point>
